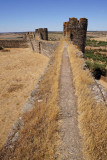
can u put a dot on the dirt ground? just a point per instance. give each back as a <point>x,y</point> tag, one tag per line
<point>20,70</point>
<point>101,47</point>
<point>99,36</point>
<point>55,36</point>
<point>71,146</point>
<point>11,36</point>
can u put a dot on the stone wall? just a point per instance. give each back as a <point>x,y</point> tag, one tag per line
<point>44,47</point>
<point>29,35</point>
<point>42,33</point>
<point>13,43</point>
<point>75,31</point>
<point>39,45</point>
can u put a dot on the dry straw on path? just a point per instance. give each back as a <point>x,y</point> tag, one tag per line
<point>92,116</point>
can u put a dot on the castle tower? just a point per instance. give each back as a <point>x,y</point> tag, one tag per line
<point>76,31</point>
<point>42,33</point>
<point>64,28</point>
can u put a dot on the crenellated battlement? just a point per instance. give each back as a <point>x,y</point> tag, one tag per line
<point>39,34</point>
<point>42,33</point>
<point>75,30</point>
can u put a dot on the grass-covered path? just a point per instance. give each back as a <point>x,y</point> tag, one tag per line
<point>71,148</point>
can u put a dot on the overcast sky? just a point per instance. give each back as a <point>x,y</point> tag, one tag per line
<point>27,15</point>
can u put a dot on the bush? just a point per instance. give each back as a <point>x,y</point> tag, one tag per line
<point>1,48</point>
<point>94,43</point>
<point>93,66</point>
<point>89,65</point>
<point>95,56</point>
<point>102,43</point>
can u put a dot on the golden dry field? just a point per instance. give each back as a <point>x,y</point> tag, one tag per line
<point>39,138</point>
<point>99,36</point>
<point>55,36</point>
<point>20,70</point>
<point>11,35</point>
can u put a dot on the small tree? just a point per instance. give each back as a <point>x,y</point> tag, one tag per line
<point>1,48</point>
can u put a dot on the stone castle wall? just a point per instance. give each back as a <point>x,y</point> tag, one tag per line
<point>75,31</point>
<point>30,39</point>
<point>44,47</point>
<point>13,43</point>
<point>30,35</point>
<point>42,33</point>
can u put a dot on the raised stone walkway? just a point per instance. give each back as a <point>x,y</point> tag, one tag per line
<point>71,147</point>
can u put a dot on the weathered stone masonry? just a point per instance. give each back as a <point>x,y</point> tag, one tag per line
<point>31,39</point>
<point>75,31</point>
<point>42,33</point>
<point>14,43</point>
<point>39,34</point>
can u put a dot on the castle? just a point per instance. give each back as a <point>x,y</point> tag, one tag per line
<point>75,31</point>
<point>40,34</point>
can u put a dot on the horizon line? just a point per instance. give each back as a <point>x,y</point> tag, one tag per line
<point>53,31</point>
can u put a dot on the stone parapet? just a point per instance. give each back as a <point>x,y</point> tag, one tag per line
<point>42,33</point>
<point>13,43</point>
<point>75,31</point>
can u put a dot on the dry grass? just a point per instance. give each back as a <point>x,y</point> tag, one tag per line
<point>99,36</point>
<point>19,71</point>
<point>55,36</point>
<point>39,138</point>
<point>92,116</point>
<point>11,35</point>
<point>103,83</point>
<point>101,39</point>
<point>101,47</point>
